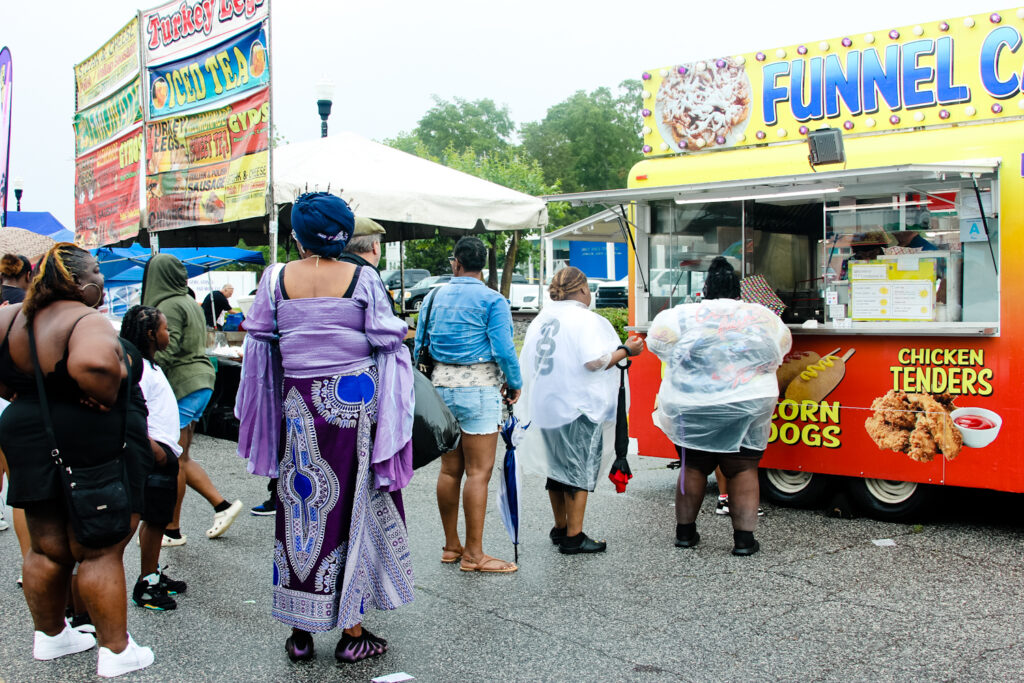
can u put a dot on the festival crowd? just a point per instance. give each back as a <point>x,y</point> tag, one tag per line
<point>97,434</point>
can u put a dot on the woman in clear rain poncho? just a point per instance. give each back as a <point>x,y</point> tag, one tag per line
<point>717,397</point>
<point>569,390</point>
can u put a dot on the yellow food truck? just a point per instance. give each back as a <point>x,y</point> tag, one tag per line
<point>868,186</point>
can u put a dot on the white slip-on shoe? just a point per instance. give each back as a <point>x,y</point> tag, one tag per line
<point>67,642</point>
<point>169,542</point>
<point>223,520</point>
<point>133,658</point>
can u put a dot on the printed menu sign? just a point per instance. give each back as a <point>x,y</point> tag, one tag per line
<point>893,300</point>
<point>204,79</point>
<point>107,192</point>
<point>185,27</point>
<point>108,68</point>
<point>209,168</point>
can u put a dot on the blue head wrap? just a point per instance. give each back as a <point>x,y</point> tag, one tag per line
<point>322,223</point>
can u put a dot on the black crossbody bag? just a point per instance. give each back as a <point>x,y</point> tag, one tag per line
<point>425,361</point>
<point>96,496</point>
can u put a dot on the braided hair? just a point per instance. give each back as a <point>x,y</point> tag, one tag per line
<point>139,326</point>
<point>59,273</point>
<point>722,281</point>
<point>567,282</point>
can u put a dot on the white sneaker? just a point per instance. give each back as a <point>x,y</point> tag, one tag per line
<point>223,520</point>
<point>67,642</point>
<point>169,542</point>
<point>133,658</point>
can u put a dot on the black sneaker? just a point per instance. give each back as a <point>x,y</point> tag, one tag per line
<point>171,586</point>
<point>267,507</point>
<point>152,597</point>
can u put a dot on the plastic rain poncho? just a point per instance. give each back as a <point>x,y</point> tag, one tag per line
<point>569,394</point>
<point>718,389</point>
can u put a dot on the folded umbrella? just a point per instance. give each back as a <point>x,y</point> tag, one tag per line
<point>620,473</point>
<point>511,475</point>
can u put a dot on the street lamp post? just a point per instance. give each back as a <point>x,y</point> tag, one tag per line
<point>19,189</point>
<point>324,100</point>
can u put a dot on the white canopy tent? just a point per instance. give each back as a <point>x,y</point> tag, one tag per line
<point>409,195</point>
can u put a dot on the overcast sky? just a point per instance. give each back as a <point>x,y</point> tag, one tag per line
<point>388,58</point>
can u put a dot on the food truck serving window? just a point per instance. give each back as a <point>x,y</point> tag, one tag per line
<point>904,252</point>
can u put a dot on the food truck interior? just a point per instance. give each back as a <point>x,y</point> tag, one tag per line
<point>833,251</point>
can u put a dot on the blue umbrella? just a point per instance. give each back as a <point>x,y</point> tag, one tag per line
<point>511,475</point>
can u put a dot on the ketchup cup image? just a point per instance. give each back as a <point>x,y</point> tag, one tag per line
<point>978,425</point>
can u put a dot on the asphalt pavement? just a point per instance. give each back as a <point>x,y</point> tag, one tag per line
<point>821,602</point>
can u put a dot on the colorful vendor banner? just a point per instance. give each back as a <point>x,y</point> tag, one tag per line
<point>107,192</point>
<point>108,68</point>
<point>185,27</point>
<point>209,168</point>
<point>934,73</point>
<point>6,82</point>
<point>925,410</point>
<point>108,119</point>
<point>204,79</point>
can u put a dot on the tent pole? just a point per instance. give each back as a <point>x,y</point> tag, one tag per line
<point>401,275</point>
<point>540,280</point>
<point>272,232</point>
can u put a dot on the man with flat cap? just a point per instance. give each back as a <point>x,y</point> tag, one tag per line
<point>364,249</point>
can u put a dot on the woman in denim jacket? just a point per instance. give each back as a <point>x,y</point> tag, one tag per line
<point>470,338</point>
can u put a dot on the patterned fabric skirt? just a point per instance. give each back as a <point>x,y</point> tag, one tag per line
<point>340,544</point>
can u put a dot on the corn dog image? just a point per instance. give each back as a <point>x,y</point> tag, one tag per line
<point>818,380</point>
<point>793,364</point>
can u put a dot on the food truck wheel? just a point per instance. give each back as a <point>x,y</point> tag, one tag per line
<point>795,488</point>
<point>888,500</point>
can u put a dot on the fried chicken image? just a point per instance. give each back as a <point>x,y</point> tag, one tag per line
<point>887,436</point>
<point>894,409</point>
<point>934,418</point>
<point>916,424</point>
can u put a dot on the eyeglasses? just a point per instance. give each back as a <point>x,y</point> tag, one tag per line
<point>451,259</point>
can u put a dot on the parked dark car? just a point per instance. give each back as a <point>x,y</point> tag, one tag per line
<point>393,279</point>
<point>612,295</point>
<point>414,297</point>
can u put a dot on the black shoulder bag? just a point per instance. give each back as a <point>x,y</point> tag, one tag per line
<point>425,361</point>
<point>97,496</point>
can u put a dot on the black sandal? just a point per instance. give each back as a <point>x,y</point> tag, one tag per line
<point>581,543</point>
<point>355,649</point>
<point>557,534</point>
<point>299,652</point>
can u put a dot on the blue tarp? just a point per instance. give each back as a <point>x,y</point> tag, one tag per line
<point>41,223</point>
<point>124,265</point>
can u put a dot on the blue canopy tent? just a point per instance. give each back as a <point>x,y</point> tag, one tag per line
<point>41,223</point>
<point>123,267</point>
<point>119,264</point>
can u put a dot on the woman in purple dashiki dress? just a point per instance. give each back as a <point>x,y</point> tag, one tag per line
<point>325,363</point>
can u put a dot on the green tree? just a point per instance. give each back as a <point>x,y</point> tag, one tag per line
<point>429,254</point>
<point>589,141</point>
<point>462,124</point>
<point>511,168</point>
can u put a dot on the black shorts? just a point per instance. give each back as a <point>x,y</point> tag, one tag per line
<point>161,492</point>
<point>707,461</point>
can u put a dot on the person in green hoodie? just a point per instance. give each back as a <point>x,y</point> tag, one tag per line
<point>191,374</point>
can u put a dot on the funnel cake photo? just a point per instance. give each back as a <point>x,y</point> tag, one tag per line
<point>704,104</point>
<point>916,424</point>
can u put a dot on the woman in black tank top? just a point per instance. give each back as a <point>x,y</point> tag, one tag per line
<point>84,370</point>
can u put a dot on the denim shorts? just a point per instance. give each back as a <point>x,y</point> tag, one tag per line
<point>478,409</point>
<point>191,407</point>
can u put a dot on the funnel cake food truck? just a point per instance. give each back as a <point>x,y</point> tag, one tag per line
<point>873,185</point>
